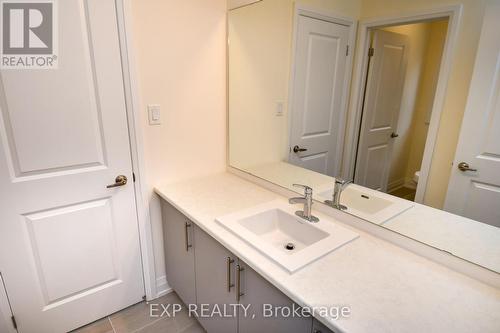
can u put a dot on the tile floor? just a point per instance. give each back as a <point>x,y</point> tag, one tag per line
<point>405,193</point>
<point>136,318</point>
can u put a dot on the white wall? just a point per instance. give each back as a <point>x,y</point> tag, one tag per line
<point>181,64</point>
<point>259,64</point>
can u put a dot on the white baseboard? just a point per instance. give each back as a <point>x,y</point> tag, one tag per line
<point>409,183</point>
<point>395,185</point>
<point>162,287</point>
<point>403,182</point>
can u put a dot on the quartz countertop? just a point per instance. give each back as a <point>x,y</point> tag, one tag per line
<point>465,238</point>
<point>387,288</point>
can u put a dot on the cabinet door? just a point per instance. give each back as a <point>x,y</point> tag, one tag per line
<point>257,291</point>
<point>178,236</point>
<point>215,268</point>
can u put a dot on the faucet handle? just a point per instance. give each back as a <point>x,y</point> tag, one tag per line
<point>307,189</point>
<point>342,182</point>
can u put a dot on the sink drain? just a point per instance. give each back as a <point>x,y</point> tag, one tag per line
<point>290,246</point>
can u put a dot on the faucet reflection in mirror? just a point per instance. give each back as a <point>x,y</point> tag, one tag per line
<point>340,185</point>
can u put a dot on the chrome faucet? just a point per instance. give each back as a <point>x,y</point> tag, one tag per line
<point>340,185</point>
<point>307,200</point>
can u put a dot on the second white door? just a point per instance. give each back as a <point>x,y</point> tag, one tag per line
<point>474,189</point>
<point>319,92</point>
<point>384,89</point>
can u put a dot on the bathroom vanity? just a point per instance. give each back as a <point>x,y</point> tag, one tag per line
<point>377,246</point>
<point>202,271</point>
<point>387,288</point>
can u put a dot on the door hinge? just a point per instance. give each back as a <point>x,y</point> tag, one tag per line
<point>14,322</point>
<point>371,51</point>
<point>347,51</point>
<point>133,176</point>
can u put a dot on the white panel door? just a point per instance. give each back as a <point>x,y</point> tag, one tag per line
<point>383,95</point>
<point>476,194</point>
<point>6,323</point>
<point>69,246</point>
<point>319,89</point>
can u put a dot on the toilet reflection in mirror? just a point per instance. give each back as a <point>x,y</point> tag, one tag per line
<point>316,96</point>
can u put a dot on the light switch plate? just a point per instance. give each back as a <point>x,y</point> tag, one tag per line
<point>279,109</point>
<point>154,114</point>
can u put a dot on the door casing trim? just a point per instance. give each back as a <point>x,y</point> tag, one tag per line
<point>131,90</point>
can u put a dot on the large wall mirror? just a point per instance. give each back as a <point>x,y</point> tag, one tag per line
<point>390,115</point>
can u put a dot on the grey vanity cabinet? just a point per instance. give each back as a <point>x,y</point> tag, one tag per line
<point>215,284</point>
<point>178,235</point>
<point>202,271</point>
<point>257,291</point>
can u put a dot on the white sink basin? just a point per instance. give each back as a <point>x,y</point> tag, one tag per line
<point>277,228</point>
<point>371,205</point>
<point>273,226</point>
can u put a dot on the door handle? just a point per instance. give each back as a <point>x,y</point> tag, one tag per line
<point>238,282</point>
<point>463,166</point>
<point>186,236</point>
<point>229,261</point>
<point>394,135</point>
<point>119,181</point>
<point>297,149</point>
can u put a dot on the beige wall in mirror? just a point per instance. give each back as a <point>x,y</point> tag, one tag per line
<point>373,92</point>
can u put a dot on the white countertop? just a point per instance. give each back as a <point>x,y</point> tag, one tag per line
<point>465,238</point>
<point>387,288</point>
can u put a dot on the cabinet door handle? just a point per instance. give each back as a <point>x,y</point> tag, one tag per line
<point>186,235</point>
<point>229,261</point>
<point>238,282</point>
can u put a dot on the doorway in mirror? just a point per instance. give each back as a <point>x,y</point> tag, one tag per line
<point>403,68</point>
